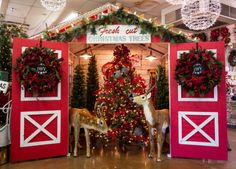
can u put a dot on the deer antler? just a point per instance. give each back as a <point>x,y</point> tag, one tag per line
<point>157,76</point>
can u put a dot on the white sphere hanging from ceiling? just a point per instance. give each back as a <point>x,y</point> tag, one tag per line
<point>176,2</point>
<point>53,5</point>
<point>200,14</point>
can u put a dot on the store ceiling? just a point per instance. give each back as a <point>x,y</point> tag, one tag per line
<point>35,16</point>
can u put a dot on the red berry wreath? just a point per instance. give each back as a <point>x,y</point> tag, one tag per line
<point>232,58</point>
<point>198,71</point>
<point>39,70</point>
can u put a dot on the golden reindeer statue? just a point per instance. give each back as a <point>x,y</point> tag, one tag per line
<point>156,119</point>
<point>82,118</point>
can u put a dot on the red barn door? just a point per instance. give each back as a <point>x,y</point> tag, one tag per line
<point>39,126</point>
<point>198,124</point>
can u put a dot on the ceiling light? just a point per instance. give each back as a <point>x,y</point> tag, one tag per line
<point>53,5</point>
<point>176,2</point>
<point>71,16</point>
<point>200,14</point>
<point>86,56</point>
<point>151,57</point>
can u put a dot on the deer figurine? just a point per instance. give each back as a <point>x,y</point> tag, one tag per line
<point>157,120</point>
<point>82,118</point>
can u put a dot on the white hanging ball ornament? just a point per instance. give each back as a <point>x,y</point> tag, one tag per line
<point>176,2</point>
<point>200,14</point>
<point>53,5</point>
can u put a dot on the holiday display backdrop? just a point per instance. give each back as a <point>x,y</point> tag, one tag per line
<point>198,123</point>
<point>39,125</point>
<point>126,120</point>
<point>78,91</point>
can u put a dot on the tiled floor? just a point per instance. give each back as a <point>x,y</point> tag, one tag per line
<point>136,159</point>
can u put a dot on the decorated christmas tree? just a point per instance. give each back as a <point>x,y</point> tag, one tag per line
<point>126,120</point>
<point>78,92</point>
<point>92,83</point>
<point>162,90</point>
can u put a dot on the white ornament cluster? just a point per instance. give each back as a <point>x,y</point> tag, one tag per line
<point>53,5</point>
<point>198,14</point>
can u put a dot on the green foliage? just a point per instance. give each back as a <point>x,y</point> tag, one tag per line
<point>7,32</point>
<point>78,92</point>
<point>119,16</point>
<point>162,92</point>
<point>92,82</point>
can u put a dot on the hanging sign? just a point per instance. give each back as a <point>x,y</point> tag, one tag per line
<point>4,81</point>
<point>3,86</point>
<point>118,34</point>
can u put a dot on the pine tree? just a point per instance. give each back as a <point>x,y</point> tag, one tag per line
<point>7,32</point>
<point>92,83</point>
<point>162,90</point>
<point>78,92</point>
<point>125,118</point>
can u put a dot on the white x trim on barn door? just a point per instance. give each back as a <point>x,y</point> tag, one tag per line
<point>198,128</point>
<point>26,142</point>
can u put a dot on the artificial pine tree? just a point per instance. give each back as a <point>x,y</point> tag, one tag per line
<point>125,118</point>
<point>92,83</point>
<point>162,90</point>
<point>7,32</point>
<point>78,92</point>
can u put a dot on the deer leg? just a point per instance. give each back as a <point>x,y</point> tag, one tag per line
<point>87,142</point>
<point>70,139</point>
<point>76,129</point>
<point>160,140</point>
<point>151,137</point>
<point>79,145</point>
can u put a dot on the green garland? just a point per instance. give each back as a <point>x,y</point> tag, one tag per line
<point>119,16</point>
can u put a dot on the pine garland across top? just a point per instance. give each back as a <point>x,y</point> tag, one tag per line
<point>119,16</point>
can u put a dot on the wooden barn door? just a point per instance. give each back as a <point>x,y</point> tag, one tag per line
<point>39,126</point>
<point>198,124</point>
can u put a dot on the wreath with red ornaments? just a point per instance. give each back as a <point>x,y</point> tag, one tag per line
<point>198,71</point>
<point>39,70</point>
<point>221,34</point>
<point>232,58</point>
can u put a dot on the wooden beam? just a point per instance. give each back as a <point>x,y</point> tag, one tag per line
<point>149,47</point>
